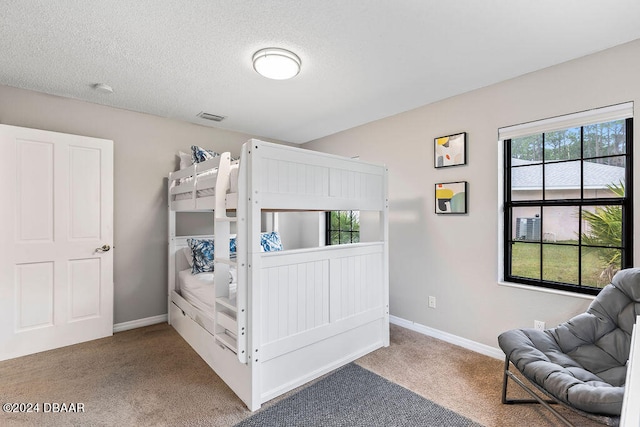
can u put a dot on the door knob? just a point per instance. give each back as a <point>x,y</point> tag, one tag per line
<point>104,248</point>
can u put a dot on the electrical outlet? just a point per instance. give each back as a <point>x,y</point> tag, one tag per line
<point>432,302</point>
<point>538,324</point>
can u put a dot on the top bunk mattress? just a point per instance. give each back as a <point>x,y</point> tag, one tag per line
<point>199,289</point>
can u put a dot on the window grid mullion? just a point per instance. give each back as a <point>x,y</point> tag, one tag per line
<point>581,205</point>
<point>544,199</point>
<point>507,211</point>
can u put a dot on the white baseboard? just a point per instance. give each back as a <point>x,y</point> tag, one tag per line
<point>487,350</point>
<point>133,324</point>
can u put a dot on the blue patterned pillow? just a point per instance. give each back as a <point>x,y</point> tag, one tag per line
<point>202,255</point>
<point>202,250</point>
<point>199,154</point>
<point>271,242</point>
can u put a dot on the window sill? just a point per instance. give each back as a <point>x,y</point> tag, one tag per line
<point>546,290</point>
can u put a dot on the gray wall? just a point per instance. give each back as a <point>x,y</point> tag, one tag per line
<point>455,258</point>
<point>144,154</point>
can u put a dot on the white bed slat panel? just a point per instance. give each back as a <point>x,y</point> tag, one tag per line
<point>182,188</point>
<point>298,286</point>
<point>297,299</point>
<point>308,180</point>
<point>274,259</point>
<point>311,158</point>
<point>183,173</point>
<point>281,177</point>
<point>352,185</point>
<point>356,285</point>
<point>284,177</point>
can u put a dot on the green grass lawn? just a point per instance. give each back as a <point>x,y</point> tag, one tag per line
<point>560,264</point>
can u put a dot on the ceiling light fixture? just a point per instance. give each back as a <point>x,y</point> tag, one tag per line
<point>275,63</point>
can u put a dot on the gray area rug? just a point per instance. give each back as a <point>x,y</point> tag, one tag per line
<point>354,396</point>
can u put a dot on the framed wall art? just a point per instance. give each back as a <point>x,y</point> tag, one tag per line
<point>451,198</point>
<point>450,150</point>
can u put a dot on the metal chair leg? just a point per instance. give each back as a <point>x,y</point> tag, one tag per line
<point>536,399</point>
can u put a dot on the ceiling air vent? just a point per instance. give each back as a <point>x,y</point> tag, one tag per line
<point>212,117</point>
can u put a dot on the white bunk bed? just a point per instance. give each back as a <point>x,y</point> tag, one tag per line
<point>295,314</point>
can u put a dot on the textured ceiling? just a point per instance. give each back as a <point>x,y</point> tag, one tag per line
<point>361,60</point>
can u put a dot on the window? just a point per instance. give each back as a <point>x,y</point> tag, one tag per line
<point>568,202</point>
<point>343,227</point>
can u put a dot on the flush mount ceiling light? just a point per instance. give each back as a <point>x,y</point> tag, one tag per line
<point>275,63</point>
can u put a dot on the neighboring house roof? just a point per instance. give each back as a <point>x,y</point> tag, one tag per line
<point>566,175</point>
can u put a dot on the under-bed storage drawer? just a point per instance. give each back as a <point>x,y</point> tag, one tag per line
<point>203,319</point>
<point>223,361</point>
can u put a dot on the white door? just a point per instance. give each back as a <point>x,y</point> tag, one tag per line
<point>56,211</point>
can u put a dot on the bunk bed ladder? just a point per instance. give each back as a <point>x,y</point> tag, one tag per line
<point>226,330</point>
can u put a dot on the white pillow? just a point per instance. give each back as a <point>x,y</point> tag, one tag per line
<point>188,254</point>
<point>185,159</point>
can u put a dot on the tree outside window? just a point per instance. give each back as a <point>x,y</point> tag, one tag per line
<point>343,227</point>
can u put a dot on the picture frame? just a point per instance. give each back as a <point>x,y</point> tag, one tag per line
<point>450,150</point>
<point>451,198</point>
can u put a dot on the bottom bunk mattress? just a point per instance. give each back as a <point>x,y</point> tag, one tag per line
<point>199,290</point>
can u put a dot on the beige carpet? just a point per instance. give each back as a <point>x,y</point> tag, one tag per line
<point>150,376</point>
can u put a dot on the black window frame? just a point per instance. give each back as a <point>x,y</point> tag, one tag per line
<point>626,204</point>
<point>329,230</point>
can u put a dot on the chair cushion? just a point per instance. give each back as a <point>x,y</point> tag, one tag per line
<point>582,362</point>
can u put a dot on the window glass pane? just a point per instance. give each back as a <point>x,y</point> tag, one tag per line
<point>560,263</point>
<point>599,265</point>
<point>526,224</point>
<point>526,183</point>
<point>562,180</point>
<point>525,260</point>
<point>604,177</point>
<point>605,139</point>
<point>560,224</point>
<point>338,220</point>
<point>562,145</point>
<point>527,149</point>
<point>602,226</point>
<point>355,220</point>
<point>343,227</point>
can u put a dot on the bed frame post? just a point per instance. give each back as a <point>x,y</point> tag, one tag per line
<point>254,226</point>
<point>384,225</point>
<point>242,306</point>
<point>171,248</point>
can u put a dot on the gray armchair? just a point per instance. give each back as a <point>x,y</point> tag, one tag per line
<point>582,362</point>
